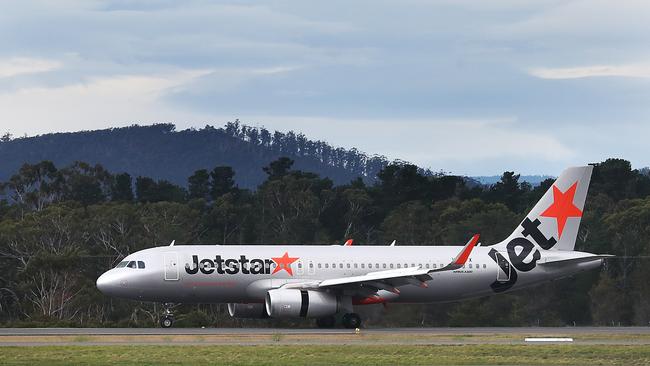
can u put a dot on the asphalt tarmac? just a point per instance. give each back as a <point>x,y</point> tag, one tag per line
<point>264,336</point>
<point>316,331</point>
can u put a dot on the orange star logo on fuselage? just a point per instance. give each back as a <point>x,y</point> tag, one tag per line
<point>284,263</point>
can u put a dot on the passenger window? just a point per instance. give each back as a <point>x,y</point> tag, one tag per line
<point>319,265</point>
<point>434,265</point>
<point>427,265</point>
<point>399,265</point>
<point>384,265</point>
<point>412,264</point>
<point>131,264</point>
<point>356,266</point>
<point>340,265</point>
<point>391,265</point>
<point>140,264</point>
<point>311,265</point>
<point>363,265</point>
<point>327,265</point>
<point>348,265</point>
<point>484,265</point>
<point>299,264</point>
<point>376,265</point>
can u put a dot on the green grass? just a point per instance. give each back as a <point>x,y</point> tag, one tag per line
<point>329,355</point>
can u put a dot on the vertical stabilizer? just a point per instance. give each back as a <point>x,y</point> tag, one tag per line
<point>554,221</point>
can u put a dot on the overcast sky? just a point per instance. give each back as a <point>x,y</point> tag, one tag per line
<point>464,86</point>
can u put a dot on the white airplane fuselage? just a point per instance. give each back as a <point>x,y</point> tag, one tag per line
<point>171,274</point>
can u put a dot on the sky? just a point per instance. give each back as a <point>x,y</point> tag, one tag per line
<point>463,86</point>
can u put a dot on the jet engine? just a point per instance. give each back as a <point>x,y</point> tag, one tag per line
<point>290,303</point>
<point>247,311</point>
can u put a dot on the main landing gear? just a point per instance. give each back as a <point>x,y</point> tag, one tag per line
<point>349,320</point>
<point>167,319</point>
<point>352,320</point>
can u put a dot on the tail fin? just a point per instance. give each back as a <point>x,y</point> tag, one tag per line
<point>554,221</point>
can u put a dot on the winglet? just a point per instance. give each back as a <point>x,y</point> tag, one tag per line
<point>172,244</point>
<point>348,243</point>
<point>462,257</point>
<point>393,243</point>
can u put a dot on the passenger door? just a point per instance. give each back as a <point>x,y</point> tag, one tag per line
<point>170,262</point>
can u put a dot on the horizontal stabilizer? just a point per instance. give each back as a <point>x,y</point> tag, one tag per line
<point>588,258</point>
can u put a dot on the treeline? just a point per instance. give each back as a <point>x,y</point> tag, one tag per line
<point>161,152</point>
<point>60,228</point>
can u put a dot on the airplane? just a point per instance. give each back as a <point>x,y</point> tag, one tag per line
<point>326,282</point>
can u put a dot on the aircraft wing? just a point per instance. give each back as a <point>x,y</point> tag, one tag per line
<point>389,280</point>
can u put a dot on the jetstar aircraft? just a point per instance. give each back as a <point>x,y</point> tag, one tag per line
<point>292,281</point>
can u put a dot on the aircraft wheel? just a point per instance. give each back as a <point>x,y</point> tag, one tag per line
<point>166,321</point>
<point>352,320</point>
<point>326,322</point>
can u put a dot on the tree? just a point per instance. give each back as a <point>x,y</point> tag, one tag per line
<point>409,224</point>
<point>222,181</point>
<point>122,189</point>
<point>278,168</point>
<point>148,190</point>
<point>508,190</point>
<point>199,184</point>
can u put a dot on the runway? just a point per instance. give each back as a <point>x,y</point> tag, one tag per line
<point>265,336</point>
<point>312,331</point>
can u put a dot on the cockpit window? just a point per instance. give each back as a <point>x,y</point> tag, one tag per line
<point>140,264</point>
<point>121,264</point>
<point>131,264</point>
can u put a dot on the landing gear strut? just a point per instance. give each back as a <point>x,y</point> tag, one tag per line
<point>351,320</point>
<point>167,319</point>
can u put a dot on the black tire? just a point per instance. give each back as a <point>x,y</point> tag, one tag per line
<point>166,321</point>
<point>326,322</point>
<point>352,321</point>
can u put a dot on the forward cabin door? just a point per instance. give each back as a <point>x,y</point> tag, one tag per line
<point>170,260</point>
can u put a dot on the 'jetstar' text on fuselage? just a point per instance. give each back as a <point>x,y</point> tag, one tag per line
<point>229,266</point>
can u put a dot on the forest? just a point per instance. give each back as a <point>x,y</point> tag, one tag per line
<point>62,226</point>
<point>162,152</point>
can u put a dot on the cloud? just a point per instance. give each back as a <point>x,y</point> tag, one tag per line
<point>632,70</point>
<point>23,65</point>
<point>444,144</point>
<point>453,84</point>
<point>97,103</point>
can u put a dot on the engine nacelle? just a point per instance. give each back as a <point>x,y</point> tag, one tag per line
<point>290,303</point>
<point>255,311</point>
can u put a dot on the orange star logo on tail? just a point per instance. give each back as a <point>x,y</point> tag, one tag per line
<point>284,263</point>
<point>562,207</point>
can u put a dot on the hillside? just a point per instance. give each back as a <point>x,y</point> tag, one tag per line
<point>159,151</point>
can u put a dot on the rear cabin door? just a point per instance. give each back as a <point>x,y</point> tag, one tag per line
<point>171,266</point>
<point>503,269</point>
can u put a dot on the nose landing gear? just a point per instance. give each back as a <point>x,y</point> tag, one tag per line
<point>167,319</point>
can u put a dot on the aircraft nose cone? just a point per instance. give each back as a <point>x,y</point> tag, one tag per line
<point>107,283</point>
